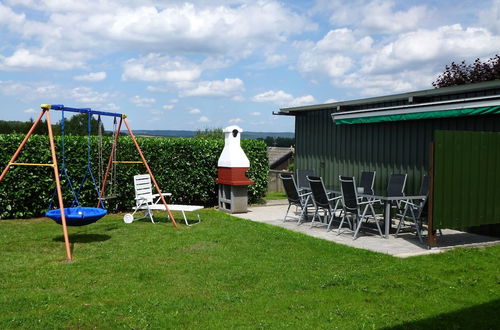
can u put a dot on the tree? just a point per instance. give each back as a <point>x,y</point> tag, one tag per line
<point>78,125</point>
<point>215,133</point>
<point>463,73</point>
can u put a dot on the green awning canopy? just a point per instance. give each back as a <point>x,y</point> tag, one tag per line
<point>419,115</point>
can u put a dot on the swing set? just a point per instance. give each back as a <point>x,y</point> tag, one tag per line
<point>77,215</point>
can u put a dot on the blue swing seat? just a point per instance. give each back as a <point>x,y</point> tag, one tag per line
<point>77,216</point>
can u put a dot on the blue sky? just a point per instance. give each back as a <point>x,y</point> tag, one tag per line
<point>209,64</point>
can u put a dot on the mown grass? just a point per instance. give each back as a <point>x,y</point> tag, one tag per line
<point>232,273</point>
<point>275,195</point>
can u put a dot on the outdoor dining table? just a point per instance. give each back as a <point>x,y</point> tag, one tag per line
<point>387,206</point>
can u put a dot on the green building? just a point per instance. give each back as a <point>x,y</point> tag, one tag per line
<point>388,134</point>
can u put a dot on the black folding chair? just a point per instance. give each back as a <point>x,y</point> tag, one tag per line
<point>302,182</point>
<point>367,181</point>
<point>416,209</point>
<point>351,206</point>
<point>322,201</point>
<point>300,200</point>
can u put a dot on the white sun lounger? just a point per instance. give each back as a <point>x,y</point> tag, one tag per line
<point>149,202</point>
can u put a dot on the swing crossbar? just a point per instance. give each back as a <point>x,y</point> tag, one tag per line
<point>61,107</point>
<point>127,162</point>
<point>30,164</point>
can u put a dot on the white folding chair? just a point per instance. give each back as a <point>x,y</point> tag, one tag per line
<point>147,201</point>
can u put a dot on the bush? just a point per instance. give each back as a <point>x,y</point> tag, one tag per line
<point>185,167</point>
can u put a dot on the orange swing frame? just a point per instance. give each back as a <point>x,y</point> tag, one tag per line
<point>46,111</point>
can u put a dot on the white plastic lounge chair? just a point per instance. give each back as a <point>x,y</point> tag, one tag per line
<point>149,202</point>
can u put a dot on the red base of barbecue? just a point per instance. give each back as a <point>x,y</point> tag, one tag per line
<point>233,176</point>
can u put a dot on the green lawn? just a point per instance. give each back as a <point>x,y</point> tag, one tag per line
<point>232,273</point>
<point>275,195</point>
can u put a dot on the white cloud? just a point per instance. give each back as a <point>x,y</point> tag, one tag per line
<point>217,88</point>
<point>490,18</point>
<point>168,107</point>
<point>430,48</point>
<point>195,111</point>
<point>109,107</point>
<point>330,101</point>
<point>9,17</point>
<point>255,113</point>
<point>334,55</point>
<point>142,101</point>
<point>374,16</point>
<point>159,68</point>
<point>91,77</point>
<point>203,119</point>
<point>153,26</point>
<point>235,120</point>
<point>379,16</point>
<point>30,110</point>
<point>87,95</point>
<point>23,59</point>
<point>283,99</point>
<point>324,64</point>
<point>276,59</point>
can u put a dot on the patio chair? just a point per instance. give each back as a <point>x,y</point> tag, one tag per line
<point>396,185</point>
<point>351,206</point>
<point>300,200</point>
<point>322,201</point>
<point>367,181</point>
<point>148,202</point>
<point>302,182</point>
<point>414,211</point>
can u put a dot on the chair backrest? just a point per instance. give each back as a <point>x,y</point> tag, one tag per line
<point>424,186</point>
<point>396,185</point>
<point>302,175</point>
<point>143,189</point>
<point>318,191</point>
<point>349,195</point>
<point>290,188</point>
<point>367,181</point>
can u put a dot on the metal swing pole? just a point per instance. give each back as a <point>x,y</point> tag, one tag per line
<point>150,173</point>
<point>110,162</point>
<point>58,187</point>
<point>21,146</point>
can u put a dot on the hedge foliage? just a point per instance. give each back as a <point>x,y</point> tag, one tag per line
<point>185,167</point>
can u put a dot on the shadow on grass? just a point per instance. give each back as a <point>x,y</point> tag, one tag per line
<point>484,316</point>
<point>83,238</point>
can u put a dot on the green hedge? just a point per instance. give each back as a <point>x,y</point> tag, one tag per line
<point>185,167</point>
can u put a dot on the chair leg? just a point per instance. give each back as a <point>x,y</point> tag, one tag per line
<point>403,216</point>
<point>314,216</point>
<point>287,210</point>
<point>374,217</point>
<point>358,226</point>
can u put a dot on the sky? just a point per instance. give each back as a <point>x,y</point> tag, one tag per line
<point>189,65</point>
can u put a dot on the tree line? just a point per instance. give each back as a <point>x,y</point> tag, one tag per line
<point>76,125</point>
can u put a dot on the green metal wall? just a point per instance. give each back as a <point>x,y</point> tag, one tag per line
<point>466,179</point>
<point>393,147</point>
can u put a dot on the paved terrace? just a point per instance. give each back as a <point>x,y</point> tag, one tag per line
<point>405,245</point>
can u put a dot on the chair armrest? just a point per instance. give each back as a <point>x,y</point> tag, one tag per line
<point>306,194</point>
<point>334,198</point>
<point>164,194</point>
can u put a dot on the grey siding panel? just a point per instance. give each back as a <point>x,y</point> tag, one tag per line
<point>392,147</point>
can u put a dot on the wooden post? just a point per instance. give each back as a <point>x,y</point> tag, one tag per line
<point>431,232</point>
<point>150,173</point>
<point>58,187</point>
<point>21,146</point>
<point>110,162</point>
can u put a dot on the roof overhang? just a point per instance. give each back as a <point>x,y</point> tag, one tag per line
<point>443,109</point>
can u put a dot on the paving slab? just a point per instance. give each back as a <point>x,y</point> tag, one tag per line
<point>405,245</point>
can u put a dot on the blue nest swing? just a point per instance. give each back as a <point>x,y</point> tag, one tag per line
<point>76,215</point>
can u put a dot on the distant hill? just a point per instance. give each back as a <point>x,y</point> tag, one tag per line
<point>179,133</point>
